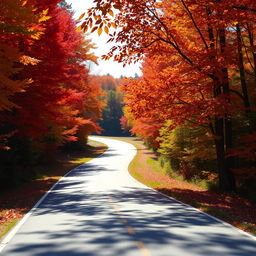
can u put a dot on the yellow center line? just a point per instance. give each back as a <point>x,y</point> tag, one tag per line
<point>130,230</point>
<point>144,251</point>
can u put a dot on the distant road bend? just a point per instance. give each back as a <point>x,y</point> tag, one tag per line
<point>98,209</point>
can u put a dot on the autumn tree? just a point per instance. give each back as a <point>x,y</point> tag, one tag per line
<point>54,101</point>
<point>57,81</point>
<point>18,22</point>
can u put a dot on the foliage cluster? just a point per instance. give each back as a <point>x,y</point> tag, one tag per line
<point>200,92</point>
<point>46,95</point>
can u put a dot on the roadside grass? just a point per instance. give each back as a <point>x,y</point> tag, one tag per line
<point>15,203</point>
<point>6,227</point>
<point>230,208</point>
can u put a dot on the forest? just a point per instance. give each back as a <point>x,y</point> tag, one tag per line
<point>113,110</point>
<point>195,102</point>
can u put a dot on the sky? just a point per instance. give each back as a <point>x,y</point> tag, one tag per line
<point>105,67</point>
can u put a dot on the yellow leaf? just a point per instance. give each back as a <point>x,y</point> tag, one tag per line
<point>37,35</point>
<point>44,18</point>
<point>26,60</point>
<point>106,29</point>
<point>81,16</point>
<point>79,28</point>
<point>24,3</point>
<point>45,11</point>
<point>111,13</point>
<point>99,31</point>
<point>113,25</point>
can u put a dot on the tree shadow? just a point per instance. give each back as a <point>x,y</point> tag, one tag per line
<point>77,218</point>
<point>241,209</point>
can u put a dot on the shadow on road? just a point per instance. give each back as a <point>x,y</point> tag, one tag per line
<point>89,224</point>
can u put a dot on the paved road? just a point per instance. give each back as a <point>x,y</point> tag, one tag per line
<point>99,210</point>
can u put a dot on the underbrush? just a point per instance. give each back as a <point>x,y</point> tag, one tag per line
<point>22,163</point>
<point>171,167</point>
<point>15,201</point>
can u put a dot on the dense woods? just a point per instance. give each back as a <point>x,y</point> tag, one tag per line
<point>47,97</point>
<point>195,102</point>
<point>113,110</point>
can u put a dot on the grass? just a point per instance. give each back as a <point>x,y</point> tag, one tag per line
<point>14,203</point>
<point>6,227</point>
<point>137,175</point>
<point>228,207</point>
<point>155,165</point>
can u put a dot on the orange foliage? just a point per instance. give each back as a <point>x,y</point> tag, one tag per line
<point>196,55</point>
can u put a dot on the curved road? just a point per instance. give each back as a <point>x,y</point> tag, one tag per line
<point>99,210</point>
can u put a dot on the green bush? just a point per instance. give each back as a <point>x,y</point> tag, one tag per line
<point>186,152</point>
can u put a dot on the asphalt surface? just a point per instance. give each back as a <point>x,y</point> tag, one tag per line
<point>98,209</point>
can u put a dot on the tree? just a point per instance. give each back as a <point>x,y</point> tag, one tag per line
<point>48,97</point>
<point>59,83</point>
<point>19,22</point>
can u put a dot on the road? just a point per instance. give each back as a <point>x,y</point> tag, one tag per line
<point>98,209</point>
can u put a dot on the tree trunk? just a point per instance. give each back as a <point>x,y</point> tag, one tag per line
<point>224,178</point>
<point>242,70</point>
<point>223,125</point>
<point>251,39</point>
<point>230,185</point>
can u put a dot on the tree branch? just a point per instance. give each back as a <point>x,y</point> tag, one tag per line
<point>244,8</point>
<point>193,20</point>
